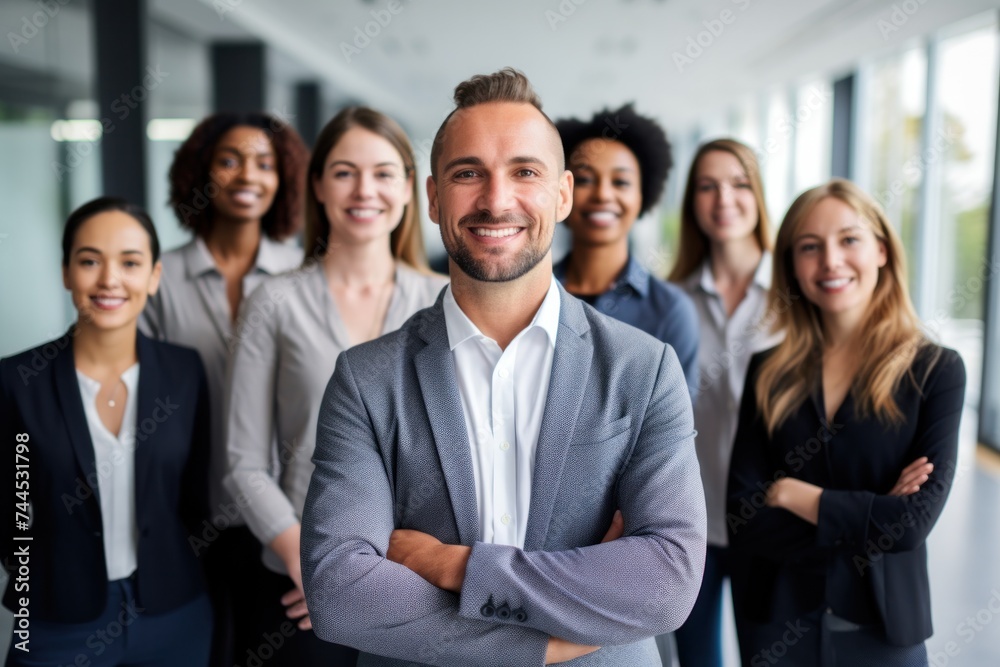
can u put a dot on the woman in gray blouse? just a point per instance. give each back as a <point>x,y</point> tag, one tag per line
<point>237,183</point>
<point>724,264</point>
<point>365,273</point>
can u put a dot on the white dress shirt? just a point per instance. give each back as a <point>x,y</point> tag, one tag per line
<point>727,343</point>
<point>115,458</point>
<point>503,398</point>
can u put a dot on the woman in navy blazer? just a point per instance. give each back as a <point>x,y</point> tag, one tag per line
<point>845,451</point>
<point>106,433</point>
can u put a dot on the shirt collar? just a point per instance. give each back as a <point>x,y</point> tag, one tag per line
<point>199,260</point>
<point>634,275</point>
<point>130,377</point>
<point>461,328</point>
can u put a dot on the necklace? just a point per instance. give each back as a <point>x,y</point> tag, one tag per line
<point>114,392</point>
<point>377,319</point>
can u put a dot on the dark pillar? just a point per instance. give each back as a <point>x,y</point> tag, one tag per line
<point>989,398</point>
<point>308,110</point>
<point>123,84</point>
<point>238,76</point>
<point>843,127</point>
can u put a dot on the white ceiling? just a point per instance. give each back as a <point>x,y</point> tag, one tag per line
<point>580,54</point>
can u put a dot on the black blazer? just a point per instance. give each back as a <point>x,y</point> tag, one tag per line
<point>867,558</point>
<point>40,397</point>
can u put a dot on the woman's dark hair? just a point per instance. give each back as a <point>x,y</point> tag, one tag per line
<point>406,240</point>
<point>192,190</point>
<point>103,205</point>
<point>640,134</point>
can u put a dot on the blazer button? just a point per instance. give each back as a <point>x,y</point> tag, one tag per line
<point>503,612</point>
<point>520,616</point>
<point>487,610</point>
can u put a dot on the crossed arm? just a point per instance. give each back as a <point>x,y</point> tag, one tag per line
<point>847,515</point>
<point>444,566</point>
<point>360,593</point>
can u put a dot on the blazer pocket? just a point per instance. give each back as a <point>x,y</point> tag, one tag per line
<point>595,436</point>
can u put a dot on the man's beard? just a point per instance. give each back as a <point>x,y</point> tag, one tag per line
<point>484,270</point>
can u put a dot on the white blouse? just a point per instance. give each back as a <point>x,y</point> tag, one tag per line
<point>115,459</point>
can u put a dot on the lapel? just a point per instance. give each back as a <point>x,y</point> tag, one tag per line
<point>148,390</point>
<point>71,407</point>
<point>435,368</point>
<point>571,365</point>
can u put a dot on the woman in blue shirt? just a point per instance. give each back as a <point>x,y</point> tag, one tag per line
<point>620,161</point>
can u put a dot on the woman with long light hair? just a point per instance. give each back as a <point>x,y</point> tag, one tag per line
<point>724,265</point>
<point>364,275</point>
<point>845,451</point>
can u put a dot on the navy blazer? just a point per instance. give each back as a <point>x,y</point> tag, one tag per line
<point>40,397</point>
<point>866,559</point>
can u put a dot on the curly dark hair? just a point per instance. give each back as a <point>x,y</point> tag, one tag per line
<point>640,134</point>
<point>191,187</point>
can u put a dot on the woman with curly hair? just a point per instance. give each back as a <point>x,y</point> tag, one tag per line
<point>845,451</point>
<point>620,161</point>
<point>724,265</point>
<point>237,184</point>
<point>365,275</point>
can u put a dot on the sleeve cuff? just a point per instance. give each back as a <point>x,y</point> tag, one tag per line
<point>483,596</point>
<point>843,517</point>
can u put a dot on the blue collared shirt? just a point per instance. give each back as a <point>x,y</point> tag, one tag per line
<point>659,308</point>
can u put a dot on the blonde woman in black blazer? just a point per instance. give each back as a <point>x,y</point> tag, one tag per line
<point>106,432</point>
<point>845,451</point>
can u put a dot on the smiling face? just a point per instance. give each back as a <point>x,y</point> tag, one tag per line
<point>244,166</point>
<point>499,190</point>
<point>836,258</point>
<point>607,192</point>
<point>724,203</point>
<point>110,272</point>
<point>364,188</point>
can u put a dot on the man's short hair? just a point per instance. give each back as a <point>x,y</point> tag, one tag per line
<point>506,85</point>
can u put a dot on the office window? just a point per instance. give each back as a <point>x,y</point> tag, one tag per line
<point>894,109</point>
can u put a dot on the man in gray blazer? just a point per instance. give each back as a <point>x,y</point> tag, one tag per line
<point>469,464</point>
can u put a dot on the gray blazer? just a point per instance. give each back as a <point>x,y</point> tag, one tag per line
<point>392,452</point>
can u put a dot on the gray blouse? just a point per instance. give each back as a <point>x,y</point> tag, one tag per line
<point>724,351</point>
<point>288,338</point>
<point>191,309</point>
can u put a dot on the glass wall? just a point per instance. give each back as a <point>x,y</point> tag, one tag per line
<point>894,115</point>
<point>51,164</point>
<point>965,107</point>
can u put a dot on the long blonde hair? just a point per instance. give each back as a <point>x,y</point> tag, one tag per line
<point>693,246</point>
<point>892,337</point>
